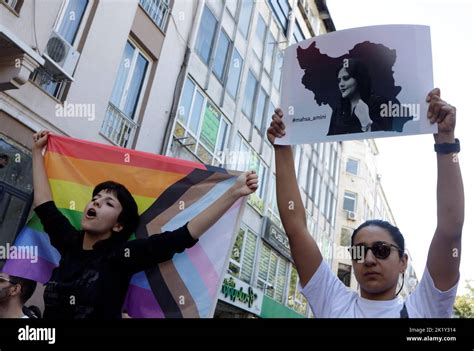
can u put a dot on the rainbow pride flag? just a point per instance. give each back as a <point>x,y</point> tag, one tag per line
<point>169,192</point>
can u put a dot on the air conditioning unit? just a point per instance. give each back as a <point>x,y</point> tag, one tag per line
<point>61,57</point>
<point>351,215</point>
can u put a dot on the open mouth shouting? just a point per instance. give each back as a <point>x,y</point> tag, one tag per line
<point>91,213</point>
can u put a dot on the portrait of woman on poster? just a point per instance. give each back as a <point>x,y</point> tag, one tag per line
<point>358,110</point>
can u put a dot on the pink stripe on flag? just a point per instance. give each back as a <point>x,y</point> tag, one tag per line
<point>204,266</point>
<point>141,303</point>
<point>39,271</point>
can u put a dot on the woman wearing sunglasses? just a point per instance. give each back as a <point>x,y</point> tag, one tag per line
<point>377,247</point>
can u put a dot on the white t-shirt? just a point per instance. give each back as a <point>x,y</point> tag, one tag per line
<point>330,298</point>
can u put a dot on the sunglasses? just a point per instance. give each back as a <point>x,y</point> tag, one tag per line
<point>380,249</point>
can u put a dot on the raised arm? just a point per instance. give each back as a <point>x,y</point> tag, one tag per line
<point>444,255</point>
<point>303,247</point>
<point>42,191</point>
<point>246,184</point>
<point>142,254</point>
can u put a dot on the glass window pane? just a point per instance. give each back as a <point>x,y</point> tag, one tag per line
<point>277,71</point>
<point>249,95</point>
<point>270,48</point>
<point>232,6</point>
<point>196,115</point>
<point>281,9</point>
<point>349,202</point>
<point>249,256</point>
<point>15,167</point>
<point>259,37</point>
<point>271,111</point>
<point>244,18</point>
<point>234,74</point>
<point>352,166</point>
<point>206,35</point>
<point>236,254</point>
<point>222,135</point>
<point>210,127</point>
<point>345,237</point>
<point>262,100</point>
<point>186,100</point>
<point>221,56</point>
<point>261,180</point>
<point>135,87</point>
<point>122,75</point>
<point>72,19</point>
<point>263,263</point>
<point>281,279</point>
<point>304,171</point>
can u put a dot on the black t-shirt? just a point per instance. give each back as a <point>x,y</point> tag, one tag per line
<point>94,283</point>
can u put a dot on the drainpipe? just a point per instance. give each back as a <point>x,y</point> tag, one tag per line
<point>167,139</point>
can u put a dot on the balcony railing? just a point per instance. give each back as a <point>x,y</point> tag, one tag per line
<point>118,127</point>
<point>158,10</point>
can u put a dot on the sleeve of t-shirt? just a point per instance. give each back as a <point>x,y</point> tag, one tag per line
<point>60,231</point>
<point>427,301</point>
<point>141,254</point>
<point>325,292</point>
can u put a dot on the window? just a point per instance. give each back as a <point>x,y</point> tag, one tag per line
<point>245,16</point>
<point>350,201</point>
<point>202,125</point>
<point>49,83</point>
<point>317,188</point>
<point>67,27</point>
<point>270,49</point>
<point>16,189</point>
<point>120,124</point>
<point>15,5</point>
<point>344,273</point>
<point>322,198</point>
<point>273,212</point>
<point>297,160</point>
<point>71,19</point>
<point>297,34</point>
<point>247,159</point>
<point>259,37</point>
<point>281,10</point>
<point>207,31</point>
<point>345,237</point>
<point>158,10</point>
<point>235,70</point>
<point>304,170</point>
<point>270,112</point>
<point>249,95</point>
<point>222,54</point>
<point>243,255</point>
<point>277,70</point>
<point>352,166</point>
<point>272,273</point>
<point>232,7</point>
<point>296,300</point>
<point>327,204</point>
<point>259,113</point>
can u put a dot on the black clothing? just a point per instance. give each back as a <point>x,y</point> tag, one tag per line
<point>343,121</point>
<point>94,283</point>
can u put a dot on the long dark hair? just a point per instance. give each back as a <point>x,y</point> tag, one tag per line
<point>357,70</point>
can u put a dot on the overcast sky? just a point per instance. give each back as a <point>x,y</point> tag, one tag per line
<point>408,164</point>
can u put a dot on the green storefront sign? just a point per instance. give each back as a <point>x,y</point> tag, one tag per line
<point>229,290</point>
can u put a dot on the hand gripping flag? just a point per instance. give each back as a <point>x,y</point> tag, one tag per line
<point>169,192</point>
